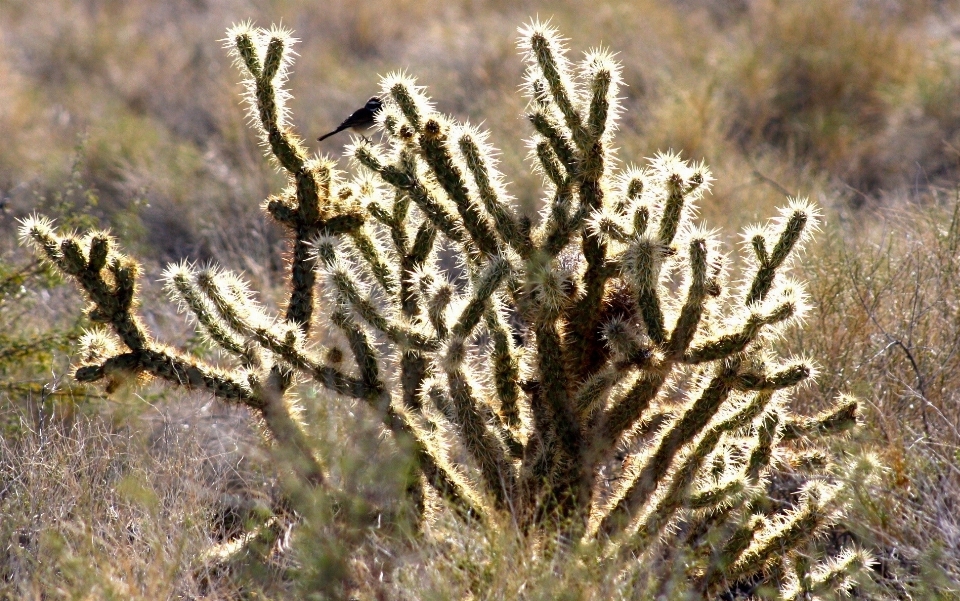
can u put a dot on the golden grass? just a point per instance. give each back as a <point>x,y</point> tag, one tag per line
<point>133,107</point>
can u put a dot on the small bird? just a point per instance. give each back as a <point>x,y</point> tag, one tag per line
<point>361,119</point>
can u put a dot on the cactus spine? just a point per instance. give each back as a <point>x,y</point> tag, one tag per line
<point>608,330</point>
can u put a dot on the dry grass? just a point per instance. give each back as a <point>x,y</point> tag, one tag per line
<point>94,510</point>
<point>126,113</point>
<point>885,326</point>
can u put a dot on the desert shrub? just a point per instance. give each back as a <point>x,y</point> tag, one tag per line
<point>31,350</point>
<point>592,381</point>
<point>862,89</point>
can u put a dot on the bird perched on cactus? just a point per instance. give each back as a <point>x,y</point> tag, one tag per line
<point>606,339</point>
<point>360,120</point>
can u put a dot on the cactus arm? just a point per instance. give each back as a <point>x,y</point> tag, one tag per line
<point>506,224</point>
<point>550,165</point>
<point>373,256</point>
<point>411,104</point>
<point>640,265</point>
<point>113,303</point>
<point>174,368</point>
<point>600,100</point>
<point>843,416</point>
<point>398,333</point>
<point>556,153</point>
<point>678,190</point>
<point>592,392</point>
<point>761,452</point>
<point>549,58</point>
<point>560,224</point>
<point>412,261</point>
<point>715,577</point>
<point>714,497</point>
<point>641,220</point>
<point>485,448</point>
<point>183,289</point>
<point>692,310</point>
<point>835,575</point>
<point>485,287</point>
<point>787,377</point>
<point>795,228</point>
<point>568,479</point>
<point>685,474</point>
<point>635,494</point>
<point>584,318</point>
<point>505,364</point>
<point>769,544</point>
<point>267,97</point>
<point>285,147</point>
<point>286,344</point>
<point>623,414</point>
<point>609,228</point>
<point>404,177</point>
<point>730,344</point>
<point>434,143</point>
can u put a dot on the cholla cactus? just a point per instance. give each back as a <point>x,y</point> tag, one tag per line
<point>593,375</point>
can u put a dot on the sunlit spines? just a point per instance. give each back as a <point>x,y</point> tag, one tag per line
<point>728,344</point>
<point>843,416</point>
<point>182,287</point>
<point>403,175</point>
<point>505,363</point>
<point>792,528</point>
<point>641,264</point>
<point>484,288</point>
<point>96,345</point>
<point>230,297</point>
<point>635,494</point>
<point>681,184</point>
<point>629,186</point>
<point>609,227</point>
<point>241,43</point>
<point>603,74</point>
<point>354,293</point>
<point>370,251</point>
<point>496,470</point>
<point>834,576</point>
<point>558,141</point>
<point>490,190</point>
<point>739,540</point>
<point>266,56</point>
<point>688,469</point>
<point>689,319</point>
<point>791,229</point>
<point>437,147</point>
<point>624,341</point>
<point>38,232</point>
<point>402,91</point>
<point>545,53</point>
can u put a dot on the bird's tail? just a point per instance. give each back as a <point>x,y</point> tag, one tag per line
<point>325,136</point>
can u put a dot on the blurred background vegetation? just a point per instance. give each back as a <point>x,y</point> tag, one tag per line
<point>126,114</point>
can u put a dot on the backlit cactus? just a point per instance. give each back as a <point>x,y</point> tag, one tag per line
<point>601,379</point>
